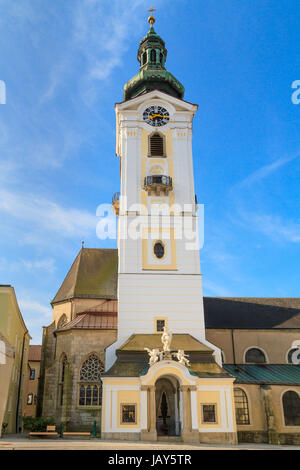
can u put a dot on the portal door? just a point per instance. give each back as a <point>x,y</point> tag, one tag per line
<point>167,407</point>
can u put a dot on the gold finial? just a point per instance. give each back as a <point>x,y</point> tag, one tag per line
<point>151,18</point>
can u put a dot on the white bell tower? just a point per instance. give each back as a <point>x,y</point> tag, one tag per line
<point>159,280</point>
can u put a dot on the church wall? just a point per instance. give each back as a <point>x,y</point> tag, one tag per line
<point>257,430</point>
<point>244,339</point>
<point>77,346</point>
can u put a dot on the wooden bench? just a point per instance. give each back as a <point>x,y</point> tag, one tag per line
<point>50,431</point>
<point>76,434</point>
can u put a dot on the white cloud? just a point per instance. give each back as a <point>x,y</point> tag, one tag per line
<point>47,265</point>
<point>47,215</point>
<point>213,289</point>
<point>266,170</point>
<point>29,307</point>
<point>275,227</point>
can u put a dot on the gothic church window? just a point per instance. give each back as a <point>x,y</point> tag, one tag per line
<point>291,408</point>
<point>62,372</point>
<point>241,406</point>
<point>256,356</point>
<point>90,389</point>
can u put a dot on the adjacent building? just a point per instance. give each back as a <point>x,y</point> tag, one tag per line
<point>32,380</point>
<point>14,348</point>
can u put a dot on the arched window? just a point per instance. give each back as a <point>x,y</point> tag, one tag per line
<point>144,58</point>
<point>291,408</point>
<point>62,321</point>
<point>156,145</point>
<point>256,356</point>
<point>153,55</point>
<point>90,389</point>
<point>290,354</point>
<point>241,407</point>
<point>62,377</point>
<point>161,58</point>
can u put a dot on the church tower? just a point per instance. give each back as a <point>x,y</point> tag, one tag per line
<point>159,276</point>
<point>159,281</point>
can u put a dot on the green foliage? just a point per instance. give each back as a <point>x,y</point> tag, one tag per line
<point>37,424</point>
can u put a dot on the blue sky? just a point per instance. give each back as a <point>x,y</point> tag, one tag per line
<point>65,63</point>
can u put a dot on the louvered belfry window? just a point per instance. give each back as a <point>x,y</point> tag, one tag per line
<point>156,145</point>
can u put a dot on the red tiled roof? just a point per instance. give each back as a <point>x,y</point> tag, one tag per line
<point>93,321</point>
<point>35,352</point>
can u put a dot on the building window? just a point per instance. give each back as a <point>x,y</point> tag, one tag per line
<point>256,356</point>
<point>144,58</point>
<point>30,399</point>
<point>161,58</point>
<point>160,324</point>
<point>241,406</point>
<point>290,354</point>
<point>153,55</point>
<point>62,321</point>
<point>159,250</point>
<point>63,366</point>
<point>92,369</point>
<point>90,394</point>
<point>291,408</point>
<point>32,374</point>
<point>209,414</point>
<point>156,145</point>
<point>128,414</point>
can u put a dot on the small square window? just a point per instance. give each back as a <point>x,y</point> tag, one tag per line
<point>128,414</point>
<point>209,414</point>
<point>160,324</point>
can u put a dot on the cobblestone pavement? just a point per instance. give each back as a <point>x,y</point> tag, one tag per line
<point>23,443</point>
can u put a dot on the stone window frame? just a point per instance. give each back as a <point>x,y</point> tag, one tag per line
<point>121,414</point>
<point>90,383</point>
<point>248,404</point>
<point>288,353</point>
<point>216,414</point>
<point>61,378</point>
<point>156,320</point>
<point>287,426</point>
<point>260,349</point>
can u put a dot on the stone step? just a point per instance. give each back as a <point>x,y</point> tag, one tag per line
<point>169,438</point>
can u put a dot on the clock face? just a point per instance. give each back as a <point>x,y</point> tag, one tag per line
<point>156,116</point>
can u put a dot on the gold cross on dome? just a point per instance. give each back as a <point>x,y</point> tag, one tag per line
<point>151,18</point>
<point>151,10</point>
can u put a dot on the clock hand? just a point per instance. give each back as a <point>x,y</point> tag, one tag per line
<point>157,115</point>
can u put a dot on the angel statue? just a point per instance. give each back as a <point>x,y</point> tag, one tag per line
<point>166,340</point>
<point>182,357</point>
<point>154,355</point>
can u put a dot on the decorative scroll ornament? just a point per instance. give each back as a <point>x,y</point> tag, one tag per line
<point>156,355</point>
